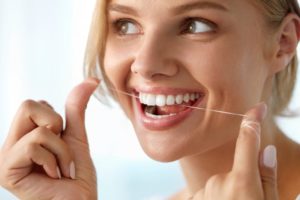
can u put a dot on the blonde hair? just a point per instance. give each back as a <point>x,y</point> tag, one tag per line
<point>274,10</point>
<point>95,48</point>
<point>284,81</point>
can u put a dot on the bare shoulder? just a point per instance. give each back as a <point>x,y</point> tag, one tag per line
<point>293,178</point>
<point>288,171</point>
<point>181,195</point>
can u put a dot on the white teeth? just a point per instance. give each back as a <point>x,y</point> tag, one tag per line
<point>141,97</point>
<point>192,97</point>
<point>179,99</point>
<point>163,100</point>
<point>170,100</point>
<point>186,98</point>
<point>160,100</point>
<point>150,99</point>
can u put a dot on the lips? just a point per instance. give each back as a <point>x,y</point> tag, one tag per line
<point>159,109</point>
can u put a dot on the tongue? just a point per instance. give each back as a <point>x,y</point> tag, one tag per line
<point>166,110</point>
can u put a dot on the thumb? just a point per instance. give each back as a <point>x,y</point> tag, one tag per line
<point>75,108</point>
<point>248,141</point>
<point>268,172</point>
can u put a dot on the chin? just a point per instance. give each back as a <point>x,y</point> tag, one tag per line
<point>175,144</point>
<point>162,154</point>
<point>163,146</point>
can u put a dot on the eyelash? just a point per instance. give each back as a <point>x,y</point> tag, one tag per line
<point>187,22</point>
<point>117,23</point>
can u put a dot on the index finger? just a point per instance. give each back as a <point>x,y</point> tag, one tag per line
<point>30,115</point>
<point>248,142</point>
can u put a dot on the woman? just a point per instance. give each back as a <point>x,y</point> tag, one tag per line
<point>173,57</point>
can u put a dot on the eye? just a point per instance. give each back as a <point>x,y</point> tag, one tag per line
<point>196,26</point>
<point>126,27</point>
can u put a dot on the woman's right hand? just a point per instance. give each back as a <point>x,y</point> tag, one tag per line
<point>41,160</point>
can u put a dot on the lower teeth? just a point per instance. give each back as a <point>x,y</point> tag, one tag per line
<point>159,116</point>
<point>150,111</point>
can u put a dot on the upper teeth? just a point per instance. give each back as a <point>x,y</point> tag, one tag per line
<point>162,100</point>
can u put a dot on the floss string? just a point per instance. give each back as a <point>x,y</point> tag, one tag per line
<point>192,107</point>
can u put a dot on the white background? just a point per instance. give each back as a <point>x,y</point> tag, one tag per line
<point>41,54</point>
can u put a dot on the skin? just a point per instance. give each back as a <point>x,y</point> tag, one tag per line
<point>37,144</point>
<point>223,62</point>
<point>219,156</point>
<point>189,61</point>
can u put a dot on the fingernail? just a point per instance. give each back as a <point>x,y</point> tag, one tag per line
<point>58,172</point>
<point>72,170</point>
<point>269,156</point>
<point>93,80</point>
<point>298,197</point>
<point>264,110</point>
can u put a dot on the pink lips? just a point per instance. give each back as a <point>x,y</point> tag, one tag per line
<point>166,122</point>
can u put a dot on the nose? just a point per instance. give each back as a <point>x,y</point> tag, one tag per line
<point>154,58</point>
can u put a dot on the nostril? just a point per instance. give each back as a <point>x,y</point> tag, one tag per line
<point>153,67</point>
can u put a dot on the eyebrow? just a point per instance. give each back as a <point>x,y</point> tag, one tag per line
<point>176,11</point>
<point>122,9</point>
<point>198,5</point>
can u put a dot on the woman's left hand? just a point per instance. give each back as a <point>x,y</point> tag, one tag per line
<point>253,175</point>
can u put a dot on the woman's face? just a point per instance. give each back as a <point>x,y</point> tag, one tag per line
<point>177,53</point>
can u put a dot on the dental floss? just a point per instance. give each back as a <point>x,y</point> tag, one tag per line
<point>217,111</point>
<point>192,107</point>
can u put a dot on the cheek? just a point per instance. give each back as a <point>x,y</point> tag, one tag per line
<point>228,70</point>
<point>117,61</point>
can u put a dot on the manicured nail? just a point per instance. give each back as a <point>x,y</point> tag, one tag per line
<point>93,80</point>
<point>58,172</point>
<point>72,170</point>
<point>264,110</point>
<point>298,197</point>
<point>269,156</point>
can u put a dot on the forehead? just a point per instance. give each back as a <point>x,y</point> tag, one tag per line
<point>152,7</point>
<point>169,4</point>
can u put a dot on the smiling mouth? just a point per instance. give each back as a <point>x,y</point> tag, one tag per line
<point>158,106</point>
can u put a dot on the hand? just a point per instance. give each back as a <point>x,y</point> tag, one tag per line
<point>253,175</point>
<point>40,160</point>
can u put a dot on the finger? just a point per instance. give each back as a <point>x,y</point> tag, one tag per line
<point>30,115</point>
<point>45,103</point>
<point>75,108</point>
<point>45,158</point>
<point>248,142</point>
<point>33,154</point>
<point>268,172</point>
<point>43,137</point>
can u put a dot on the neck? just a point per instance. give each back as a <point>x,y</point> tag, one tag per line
<point>199,168</point>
